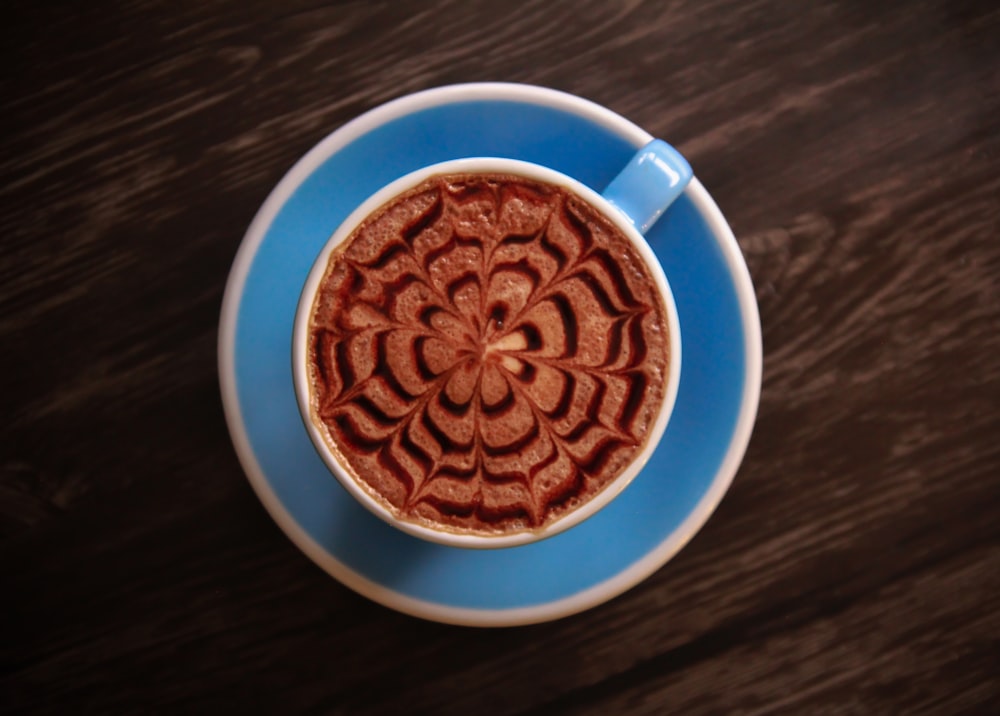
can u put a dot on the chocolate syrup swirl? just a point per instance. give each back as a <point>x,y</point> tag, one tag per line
<point>487,353</point>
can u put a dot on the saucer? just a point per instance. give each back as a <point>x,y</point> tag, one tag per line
<point>589,564</point>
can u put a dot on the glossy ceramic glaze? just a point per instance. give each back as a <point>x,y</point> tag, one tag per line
<point>664,506</point>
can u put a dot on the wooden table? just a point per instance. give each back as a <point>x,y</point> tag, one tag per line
<point>854,567</point>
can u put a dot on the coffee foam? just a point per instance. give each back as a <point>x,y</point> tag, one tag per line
<point>487,353</point>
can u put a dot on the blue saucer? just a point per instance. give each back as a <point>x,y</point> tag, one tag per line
<point>600,558</point>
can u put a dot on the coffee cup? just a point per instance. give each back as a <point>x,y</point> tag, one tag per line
<point>486,352</point>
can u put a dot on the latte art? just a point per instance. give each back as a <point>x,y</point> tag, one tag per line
<point>486,353</point>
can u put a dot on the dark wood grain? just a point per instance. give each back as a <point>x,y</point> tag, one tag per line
<point>852,568</point>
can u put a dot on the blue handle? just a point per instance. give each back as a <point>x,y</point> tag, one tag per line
<point>649,183</point>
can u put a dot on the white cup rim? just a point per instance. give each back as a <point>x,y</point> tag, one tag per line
<point>481,165</point>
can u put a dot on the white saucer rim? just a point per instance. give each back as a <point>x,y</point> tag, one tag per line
<point>547,611</point>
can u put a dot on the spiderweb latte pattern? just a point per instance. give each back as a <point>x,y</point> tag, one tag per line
<point>486,352</point>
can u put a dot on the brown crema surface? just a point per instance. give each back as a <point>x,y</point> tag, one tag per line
<point>487,353</point>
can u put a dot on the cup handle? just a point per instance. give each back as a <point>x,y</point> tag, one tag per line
<point>649,183</point>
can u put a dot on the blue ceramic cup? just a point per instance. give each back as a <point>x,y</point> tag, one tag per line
<point>644,189</point>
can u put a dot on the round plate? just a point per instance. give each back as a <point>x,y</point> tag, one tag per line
<point>624,543</point>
